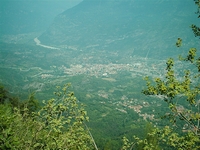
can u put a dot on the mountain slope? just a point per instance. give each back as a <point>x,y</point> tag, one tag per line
<point>121,24</point>
<point>23,16</point>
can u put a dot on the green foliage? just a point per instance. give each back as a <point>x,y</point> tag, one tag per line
<point>168,139</point>
<point>3,94</point>
<point>196,29</point>
<point>174,90</point>
<point>150,140</point>
<point>178,42</point>
<point>5,98</point>
<point>127,144</point>
<point>59,124</point>
<point>31,103</point>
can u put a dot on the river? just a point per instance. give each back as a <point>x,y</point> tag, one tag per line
<point>37,41</point>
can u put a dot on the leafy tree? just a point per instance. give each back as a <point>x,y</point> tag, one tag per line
<point>6,98</point>
<point>3,94</point>
<point>196,29</point>
<point>174,89</point>
<point>31,103</point>
<point>182,97</point>
<point>59,124</point>
<point>150,141</point>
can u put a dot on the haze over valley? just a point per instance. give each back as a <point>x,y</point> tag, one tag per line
<point>104,48</point>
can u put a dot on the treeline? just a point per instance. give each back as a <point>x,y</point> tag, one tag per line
<point>58,124</point>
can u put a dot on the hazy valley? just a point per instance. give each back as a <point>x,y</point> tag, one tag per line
<point>104,50</point>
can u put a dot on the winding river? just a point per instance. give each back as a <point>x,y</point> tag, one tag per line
<point>37,41</point>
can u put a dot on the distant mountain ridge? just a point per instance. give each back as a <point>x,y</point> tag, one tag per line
<point>24,16</point>
<point>120,24</point>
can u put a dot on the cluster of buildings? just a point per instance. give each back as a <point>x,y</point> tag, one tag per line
<point>104,70</point>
